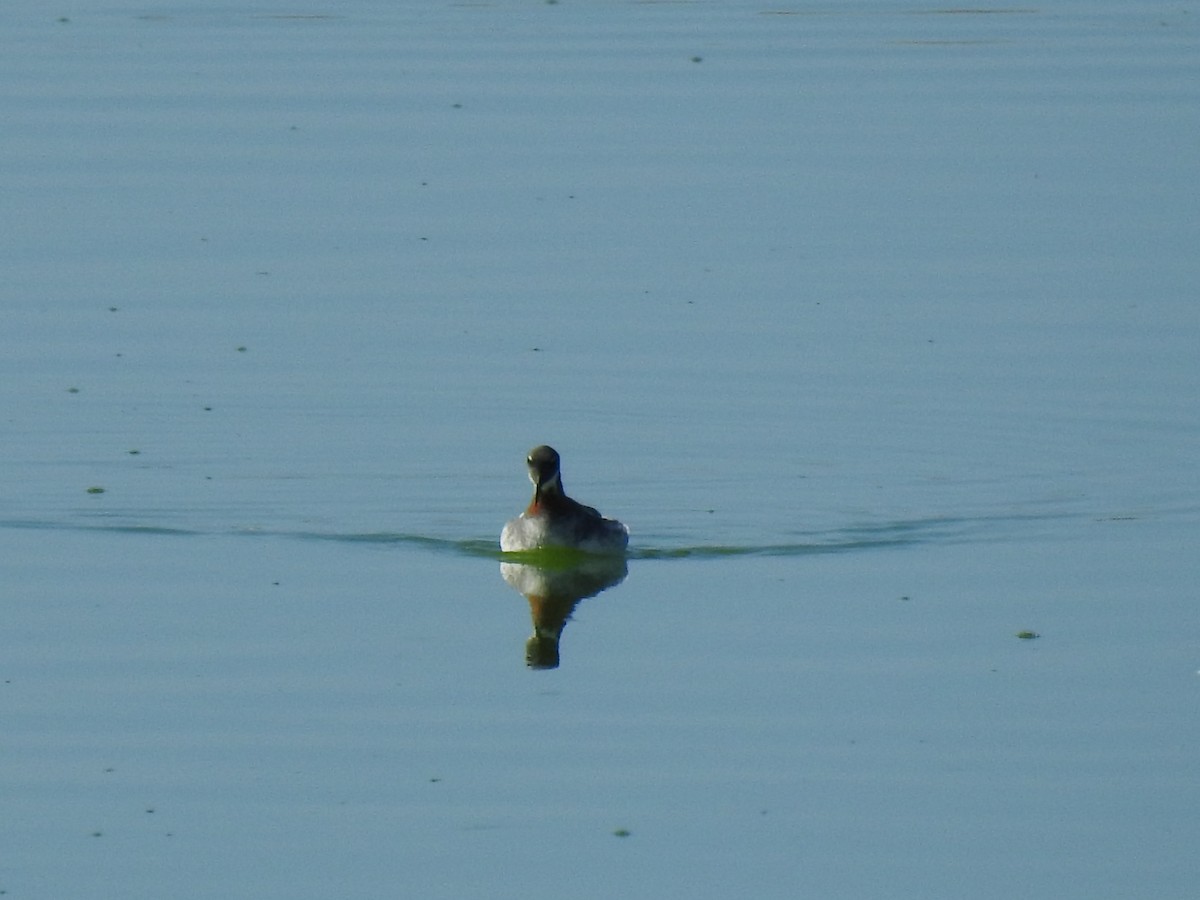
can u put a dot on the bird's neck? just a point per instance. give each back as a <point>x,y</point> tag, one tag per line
<point>548,497</point>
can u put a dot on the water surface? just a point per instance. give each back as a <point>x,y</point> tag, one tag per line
<point>875,322</point>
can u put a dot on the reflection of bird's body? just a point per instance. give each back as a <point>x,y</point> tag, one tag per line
<point>555,520</point>
<point>554,592</point>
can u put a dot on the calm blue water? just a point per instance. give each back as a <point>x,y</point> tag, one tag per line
<point>876,324</point>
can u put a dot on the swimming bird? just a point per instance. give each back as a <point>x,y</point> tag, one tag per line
<point>555,520</point>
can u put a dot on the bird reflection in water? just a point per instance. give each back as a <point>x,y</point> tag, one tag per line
<point>554,587</point>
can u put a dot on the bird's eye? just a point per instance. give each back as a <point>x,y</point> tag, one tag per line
<point>529,460</point>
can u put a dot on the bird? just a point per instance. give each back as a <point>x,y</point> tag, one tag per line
<point>554,520</point>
